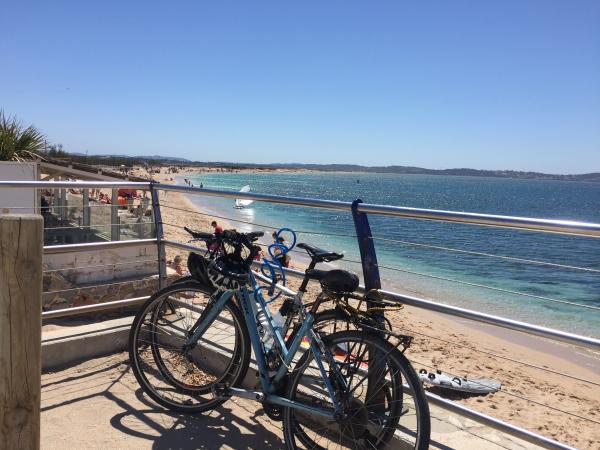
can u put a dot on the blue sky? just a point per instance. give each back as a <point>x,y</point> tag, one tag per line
<point>489,85</point>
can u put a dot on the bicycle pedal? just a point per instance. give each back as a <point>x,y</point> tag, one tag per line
<point>222,390</point>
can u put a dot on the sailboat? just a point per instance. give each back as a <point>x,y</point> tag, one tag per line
<point>242,203</point>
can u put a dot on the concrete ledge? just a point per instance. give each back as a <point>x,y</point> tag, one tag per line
<point>70,345</point>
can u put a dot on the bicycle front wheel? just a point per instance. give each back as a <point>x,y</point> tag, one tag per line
<point>382,401</point>
<point>179,377</point>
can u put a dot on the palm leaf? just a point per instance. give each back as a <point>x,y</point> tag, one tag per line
<point>18,143</point>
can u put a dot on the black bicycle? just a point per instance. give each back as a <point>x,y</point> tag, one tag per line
<point>351,389</point>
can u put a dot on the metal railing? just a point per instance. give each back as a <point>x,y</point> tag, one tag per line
<point>368,262</point>
<point>520,223</point>
<point>523,223</point>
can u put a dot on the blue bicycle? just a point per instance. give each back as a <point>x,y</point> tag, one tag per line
<point>190,347</point>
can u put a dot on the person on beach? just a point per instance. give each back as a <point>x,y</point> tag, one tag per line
<point>217,229</point>
<point>104,199</point>
<point>284,259</point>
<point>176,265</point>
<point>259,255</point>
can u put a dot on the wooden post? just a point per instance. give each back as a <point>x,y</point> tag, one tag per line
<point>20,330</point>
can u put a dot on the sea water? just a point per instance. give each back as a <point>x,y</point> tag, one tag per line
<point>414,255</point>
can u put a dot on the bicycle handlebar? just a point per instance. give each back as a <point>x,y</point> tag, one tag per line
<point>227,235</point>
<point>199,234</point>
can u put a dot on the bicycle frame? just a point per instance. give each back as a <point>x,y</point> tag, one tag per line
<point>268,383</point>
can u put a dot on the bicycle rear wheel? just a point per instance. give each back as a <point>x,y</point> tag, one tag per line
<point>383,402</point>
<point>176,377</point>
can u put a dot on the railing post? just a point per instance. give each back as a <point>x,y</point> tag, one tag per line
<point>63,205</point>
<point>366,246</point>
<point>20,330</point>
<point>86,208</point>
<point>368,258</point>
<point>115,234</point>
<point>162,260</point>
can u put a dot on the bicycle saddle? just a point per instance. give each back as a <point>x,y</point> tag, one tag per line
<point>319,255</point>
<point>337,281</point>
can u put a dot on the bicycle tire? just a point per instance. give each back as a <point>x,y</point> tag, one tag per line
<point>404,383</point>
<point>194,397</point>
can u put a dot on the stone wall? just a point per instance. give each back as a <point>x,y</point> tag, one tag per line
<point>59,293</point>
<point>90,277</point>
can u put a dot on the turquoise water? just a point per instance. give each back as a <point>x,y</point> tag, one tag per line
<point>544,199</point>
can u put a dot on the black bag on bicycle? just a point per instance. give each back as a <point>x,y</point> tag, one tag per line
<point>198,265</point>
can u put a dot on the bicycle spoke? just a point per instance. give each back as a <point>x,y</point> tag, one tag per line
<point>370,410</point>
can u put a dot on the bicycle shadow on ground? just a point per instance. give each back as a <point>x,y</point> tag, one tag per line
<point>238,426</point>
<point>103,396</point>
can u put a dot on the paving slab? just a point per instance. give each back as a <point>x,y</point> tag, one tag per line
<point>97,404</point>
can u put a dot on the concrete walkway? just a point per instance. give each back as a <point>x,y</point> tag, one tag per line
<point>97,404</point>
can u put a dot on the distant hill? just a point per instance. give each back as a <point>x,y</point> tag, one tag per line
<point>463,172</point>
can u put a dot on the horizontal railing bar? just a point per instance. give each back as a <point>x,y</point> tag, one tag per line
<point>193,248</point>
<point>93,308</point>
<point>188,247</point>
<point>260,225</point>
<point>491,354</point>
<point>448,405</point>
<point>512,394</point>
<point>495,423</point>
<point>74,184</point>
<point>546,225</point>
<point>299,273</point>
<point>477,285</point>
<point>526,223</point>
<point>165,205</point>
<point>285,290</point>
<point>67,248</point>
<point>491,288</point>
<point>126,263</point>
<point>550,333</point>
<point>106,225</point>
<point>78,206</point>
<point>299,201</point>
<point>489,255</point>
<point>80,288</point>
<point>537,330</point>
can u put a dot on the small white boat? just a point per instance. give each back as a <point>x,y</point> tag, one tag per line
<point>242,203</point>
